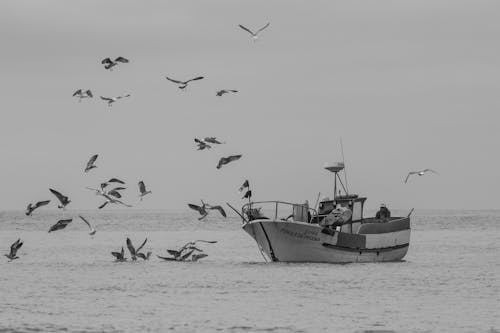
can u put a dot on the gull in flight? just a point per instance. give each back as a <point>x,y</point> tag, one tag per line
<point>202,210</point>
<point>420,173</point>
<point>133,251</point>
<point>31,207</point>
<point>109,64</point>
<point>213,139</point>
<point>90,164</point>
<point>218,208</point>
<point>13,250</point>
<point>226,160</point>
<point>82,94</point>
<point>142,190</point>
<point>111,100</point>
<point>183,84</point>
<point>61,224</point>
<point>202,145</point>
<point>116,180</point>
<point>120,256</point>
<point>225,91</point>
<point>255,35</point>
<point>62,198</point>
<point>92,230</point>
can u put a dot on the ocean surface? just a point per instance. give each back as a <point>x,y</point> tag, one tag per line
<point>67,281</point>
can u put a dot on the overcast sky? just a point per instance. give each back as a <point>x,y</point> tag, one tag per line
<point>406,84</point>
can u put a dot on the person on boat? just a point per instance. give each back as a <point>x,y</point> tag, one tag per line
<point>383,212</point>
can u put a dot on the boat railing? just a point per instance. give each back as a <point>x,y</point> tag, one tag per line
<point>253,209</point>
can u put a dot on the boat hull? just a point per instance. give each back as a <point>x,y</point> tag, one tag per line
<point>304,242</point>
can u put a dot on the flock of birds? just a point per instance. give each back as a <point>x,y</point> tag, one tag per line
<point>111,190</point>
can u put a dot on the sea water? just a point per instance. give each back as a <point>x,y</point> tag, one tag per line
<point>67,281</point>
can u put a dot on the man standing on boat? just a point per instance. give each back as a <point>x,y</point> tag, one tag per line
<point>383,212</point>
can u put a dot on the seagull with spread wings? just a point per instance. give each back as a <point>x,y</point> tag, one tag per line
<point>64,200</point>
<point>13,250</point>
<point>218,208</point>
<point>142,190</point>
<point>120,256</point>
<point>91,163</point>
<point>202,210</point>
<point>61,224</point>
<point>419,173</point>
<point>133,251</point>
<point>80,94</point>
<point>225,91</point>
<point>112,100</point>
<point>109,64</point>
<point>226,160</point>
<point>31,208</point>
<point>92,230</point>
<point>184,84</point>
<point>255,35</point>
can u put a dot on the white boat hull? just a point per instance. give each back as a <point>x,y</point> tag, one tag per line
<point>304,242</point>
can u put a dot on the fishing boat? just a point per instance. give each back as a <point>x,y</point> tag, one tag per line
<point>333,232</point>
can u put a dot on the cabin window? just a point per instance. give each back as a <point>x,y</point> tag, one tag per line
<point>357,211</point>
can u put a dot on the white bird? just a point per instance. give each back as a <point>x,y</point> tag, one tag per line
<point>420,173</point>
<point>184,84</point>
<point>255,35</point>
<point>82,94</point>
<point>90,164</point>
<point>109,64</point>
<point>112,100</point>
<point>142,190</point>
<point>92,230</point>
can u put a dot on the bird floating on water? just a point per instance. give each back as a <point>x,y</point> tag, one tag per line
<point>142,190</point>
<point>133,251</point>
<point>120,256</point>
<point>64,200</point>
<point>13,249</point>
<point>213,139</point>
<point>80,94</point>
<point>226,160</point>
<point>90,164</point>
<point>112,100</point>
<point>255,35</point>
<point>187,250</point>
<point>31,208</point>
<point>419,173</point>
<point>61,224</point>
<point>109,64</point>
<point>92,230</point>
<point>184,84</point>
<point>225,91</point>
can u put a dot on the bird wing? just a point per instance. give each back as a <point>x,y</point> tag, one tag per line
<point>246,29</point>
<point>430,170</point>
<point>15,246</point>
<point>119,188</point>
<point>167,258</point>
<point>194,79</point>
<point>186,255</point>
<point>78,92</point>
<point>106,61</point>
<point>141,255</point>
<point>222,161</point>
<point>174,253</point>
<point>91,161</point>
<point>195,207</point>
<point>63,199</point>
<point>117,255</point>
<point>121,59</point>
<point>103,205</point>
<point>205,241</point>
<point>114,193</point>
<point>198,141</point>
<point>130,247</point>
<point>408,176</point>
<point>42,203</point>
<point>142,187</point>
<point>116,180</point>
<point>234,157</point>
<point>198,256</point>
<point>264,27</point>
<point>142,245</point>
<point>174,81</point>
<point>220,209</point>
<point>84,220</point>
<point>233,91</point>
<point>122,203</point>
<point>89,93</point>
<point>106,99</point>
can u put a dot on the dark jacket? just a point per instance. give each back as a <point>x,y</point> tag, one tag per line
<point>383,213</point>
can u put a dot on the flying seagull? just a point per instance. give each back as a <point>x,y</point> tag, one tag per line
<point>13,250</point>
<point>109,64</point>
<point>184,84</point>
<point>61,224</point>
<point>218,208</point>
<point>213,139</point>
<point>225,91</point>
<point>255,35</point>
<point>31,207</point>
<point>420,173</point>
<point>132,250</point>
<point>202,210</point>
<point>111,100</point>
<point>62,198</point>
<point>90,164</point>
<point>120,256</point>
<point>82,94</point>
<point>116,180</point>
<point>142,190</point>
<point>226,160</point>
<point>201,144</point>
<point>92,230</point>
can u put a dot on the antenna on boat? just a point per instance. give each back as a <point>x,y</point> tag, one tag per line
<point>343,161</point>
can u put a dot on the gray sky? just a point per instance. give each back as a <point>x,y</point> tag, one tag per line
<point>406,84</point>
